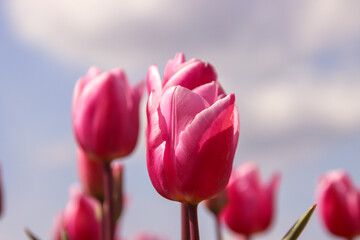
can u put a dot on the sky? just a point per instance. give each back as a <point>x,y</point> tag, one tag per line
<point>293,66</point>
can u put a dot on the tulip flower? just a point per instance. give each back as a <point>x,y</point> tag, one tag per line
<point>1,197</point>
<point>58,227</point>
<point>91,177</point>
<point>339,204</point>
<point>105,114</point>
<point>250,207</point>
<point>192,134</point>
<point>192,131</point>
<point>90,174</point>
<point>80,217</point>
<point>147,236</point>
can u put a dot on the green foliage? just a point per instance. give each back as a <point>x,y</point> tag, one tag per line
<point>300,225</point>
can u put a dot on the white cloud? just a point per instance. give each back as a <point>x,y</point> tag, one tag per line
<point>267,53</point>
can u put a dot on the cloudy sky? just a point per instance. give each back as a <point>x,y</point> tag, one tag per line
<point>293,65</point>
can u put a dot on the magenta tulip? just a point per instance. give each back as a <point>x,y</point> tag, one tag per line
<point>192,131</point>
<point>1,194</point>
<point>105,114</point>
<point>251,203</point>
<point>147,236</point>
<point>339,204</point>
<point>92,180</point>
<point>58,227</point>
<point>90,174</point>
<point>80,219</point>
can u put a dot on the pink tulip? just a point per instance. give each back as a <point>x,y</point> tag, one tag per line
<point>192,131</point>
<point>90,174</point>
<point>339,204</point>
<point>92,180</point>
<point>1,197</point>
<point>80,219</point>
<point>147,236</point>
<point>105,114</point>
<point>216,204</point>
<point>251,203</point>
<point>58,227</point>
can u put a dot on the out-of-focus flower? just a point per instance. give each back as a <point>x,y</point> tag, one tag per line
<point>339,204</point>
<point>216,204</point>
<point>80,217</point>
<point>192,131</point>
<point>1,191</point>
<point>147,236</point>
<point>90,173</point>
<point>105,114</point>
<point>58,227</point>
<point>251,203</point>
<point>92,180</point>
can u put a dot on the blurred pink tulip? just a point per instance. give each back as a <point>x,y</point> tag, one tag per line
<point>1,191</point>
<point>251,203</point>
<point>339,204</point>
<point>80,218</point>
<point>58,227</point>
<point>192,131</point>
<point>91,178</point>
<point>147,236</point>
<point>90,173</point>
<point>216,204</point>
<point>105,114</point>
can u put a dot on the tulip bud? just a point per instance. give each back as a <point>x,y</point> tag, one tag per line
<point>192,131</point>
<point>105,114</point>
<point>90,173</point>
<point>251,203</point>
<point>80,218</point>
<point>216,204</point>
<point>339,204</point>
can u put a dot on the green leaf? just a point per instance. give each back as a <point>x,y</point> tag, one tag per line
<point>299,226</point>
<point>64,236</point>
<point>30,234</point>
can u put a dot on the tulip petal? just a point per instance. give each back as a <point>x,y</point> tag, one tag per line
<point>192,74</point>
<point>208,91</point>
<point>153,79</point>
<point>203,150</point>
<point>172,65</point>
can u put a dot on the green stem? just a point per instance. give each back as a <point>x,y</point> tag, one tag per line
<point>185,228</point>
<point>108,203</point>
<point>193,221</point>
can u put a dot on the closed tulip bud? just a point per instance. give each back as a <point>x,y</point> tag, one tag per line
<point>216,204</point>
<point>192,131</point>
<point>339,204</point>
<point>105,114</point>
<point>251,203</point>
<point>90,173</point>
<point>80,217</point>
<point>91,178</point>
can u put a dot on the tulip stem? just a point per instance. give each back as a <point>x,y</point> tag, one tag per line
<point>218,228</point>
<point>185,231</point>
<point>108,203</point>
<point>193,221</point>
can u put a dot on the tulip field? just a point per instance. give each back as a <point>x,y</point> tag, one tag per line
<point>151,120</point>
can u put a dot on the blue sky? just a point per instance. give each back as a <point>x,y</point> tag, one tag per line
<point>293,67</point>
